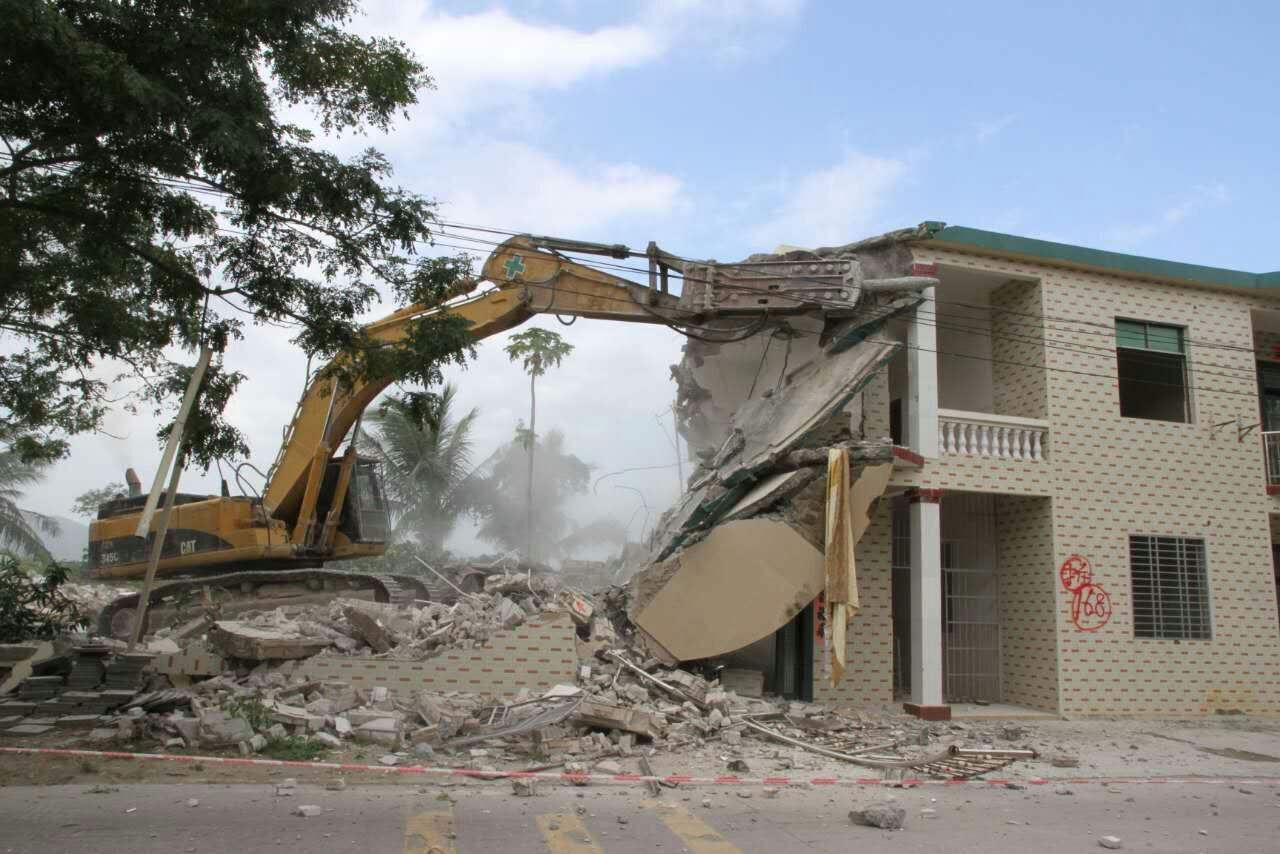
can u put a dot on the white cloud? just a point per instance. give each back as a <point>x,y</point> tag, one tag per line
<point>521,188</point>
<point>494,60</point>
<point>1206,197</point>
<point>833,205</point>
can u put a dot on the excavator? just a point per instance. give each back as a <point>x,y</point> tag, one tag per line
<point>226,553</point>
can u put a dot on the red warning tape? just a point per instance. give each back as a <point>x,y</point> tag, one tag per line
<point>721,780</point>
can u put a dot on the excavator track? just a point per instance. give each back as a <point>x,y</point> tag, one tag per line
<point>241,588</point>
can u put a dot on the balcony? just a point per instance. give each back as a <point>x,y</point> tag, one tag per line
<point>997,437</point>
<point>1271,450</point>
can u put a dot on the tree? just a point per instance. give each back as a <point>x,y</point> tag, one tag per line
<point>19,531</point>
<point>505,518</point>
<point>153,196</point>
<point>35,608</point>
<point>538,349</point>
<point>426,457</point>
<point>88,502</point>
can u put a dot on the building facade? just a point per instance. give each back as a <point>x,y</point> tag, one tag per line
<point>1084,517</point>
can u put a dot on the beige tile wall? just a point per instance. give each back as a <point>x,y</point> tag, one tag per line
<point>868,678</point>
<point>1028,602</point>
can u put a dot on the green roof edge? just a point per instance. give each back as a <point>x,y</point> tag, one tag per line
<point>1099,259</point>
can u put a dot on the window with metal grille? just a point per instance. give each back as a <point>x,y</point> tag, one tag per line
<point>1170,588</point>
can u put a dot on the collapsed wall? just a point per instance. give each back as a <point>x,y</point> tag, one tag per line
<point>742,552</point>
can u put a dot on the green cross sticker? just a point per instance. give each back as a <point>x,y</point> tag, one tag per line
<point>514,267</point>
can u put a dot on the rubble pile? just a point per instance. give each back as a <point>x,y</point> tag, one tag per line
<point>406,632</point>
<point>249,686</point>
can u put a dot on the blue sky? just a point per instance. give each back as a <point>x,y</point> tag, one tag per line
<point>725,127</point>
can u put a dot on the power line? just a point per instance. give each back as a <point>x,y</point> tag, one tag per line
<point>1241,373</point>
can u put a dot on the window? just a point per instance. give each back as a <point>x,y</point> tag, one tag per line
<point>1152,367</point>
<point>1170,588</point>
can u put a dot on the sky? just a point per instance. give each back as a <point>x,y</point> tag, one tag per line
<point>720,128</point>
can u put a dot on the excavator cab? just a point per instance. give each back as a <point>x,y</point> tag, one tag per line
<point>364,512</point>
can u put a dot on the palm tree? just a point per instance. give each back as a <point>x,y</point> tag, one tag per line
<point>21,531</point>
<point>562,475</point>
<point>426,455</point>
<point>538,349</point>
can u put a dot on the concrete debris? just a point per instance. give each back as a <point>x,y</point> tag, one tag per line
<point>241,640</point>
<point>308,810</point>
<point>524,788</point>
<point>887,816</point>
<point>1112,842</point>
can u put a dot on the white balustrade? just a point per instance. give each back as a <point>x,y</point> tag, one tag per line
<point>1000,437</point>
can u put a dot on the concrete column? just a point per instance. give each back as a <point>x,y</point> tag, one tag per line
<point>922,378</point>
<point>926,604</point>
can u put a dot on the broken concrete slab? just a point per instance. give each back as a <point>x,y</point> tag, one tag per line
<point>605,716</point>
<point>371,629</point>
<point>218,729</point>
<point>241,640</point>
<point>762,571</point>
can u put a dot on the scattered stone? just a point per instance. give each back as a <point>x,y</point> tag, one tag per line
<point>706,803</point>
<point>424,750</point>
<point>524,788</point>
<point>1065,762</point>
<point>887,816</point>
<point>744,794</point>
<point>771,791</point>
<point>308,810</point>
<point>608,766</point>
<point>390,760</point>
<point>337,784</point>
<point>1062,790</point>
<point>193,802</point>
<point>928,812</point>
<point>328,740</point>
<point>1112,842</point>
<point>579,772</point>
<point>740,766</point>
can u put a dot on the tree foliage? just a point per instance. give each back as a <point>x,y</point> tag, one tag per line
<point>35,608</point>
<point>18,531</point>
<point>153,196</point>
<point>537,350</point>
<point>425,452</point>
<point>560,476</point>
<point>88,502</point>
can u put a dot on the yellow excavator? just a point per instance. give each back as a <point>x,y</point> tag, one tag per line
<point>236,552</point>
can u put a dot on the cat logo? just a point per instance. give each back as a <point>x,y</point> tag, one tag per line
<point>187,547</point>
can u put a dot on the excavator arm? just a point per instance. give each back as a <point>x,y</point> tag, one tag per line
<point>530,278</point>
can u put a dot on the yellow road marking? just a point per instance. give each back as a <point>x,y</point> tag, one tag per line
<point>427,832</point>
<point>566,834</point>
<point>698,836</point>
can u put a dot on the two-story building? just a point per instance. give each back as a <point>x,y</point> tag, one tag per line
<point>1085,512</point>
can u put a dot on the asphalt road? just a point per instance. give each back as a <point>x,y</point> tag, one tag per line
<point>488,817</point>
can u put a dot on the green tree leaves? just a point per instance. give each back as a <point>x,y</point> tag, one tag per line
<point>152,197</point>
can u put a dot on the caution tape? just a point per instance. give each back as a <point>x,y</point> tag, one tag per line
<point>669,779</point>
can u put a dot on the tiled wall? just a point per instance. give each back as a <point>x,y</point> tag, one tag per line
<point>536,655</point>
<point>1028,602</point>
<point>1110,477</point>
<point>868,678</point>
<point>1017,350</point>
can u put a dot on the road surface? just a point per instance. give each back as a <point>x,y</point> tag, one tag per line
<point>482,817</point>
